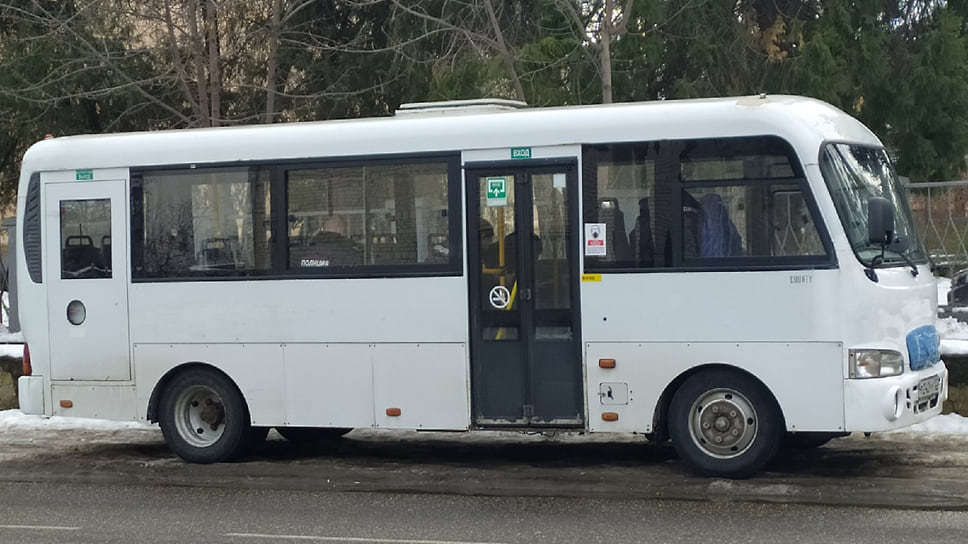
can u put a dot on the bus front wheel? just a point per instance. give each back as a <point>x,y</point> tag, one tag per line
<point>724,423</point>
<point>204,419</point>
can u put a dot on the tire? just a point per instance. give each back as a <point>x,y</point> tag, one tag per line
<point>204,418</point>
<point>308,435</point>
<point>725,424</point>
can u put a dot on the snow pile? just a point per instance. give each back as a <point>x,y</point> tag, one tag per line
<point>954,333</point>
<point>12,420</point>
<point>15,420</point>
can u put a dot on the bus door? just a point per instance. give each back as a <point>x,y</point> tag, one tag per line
<point>86,277</point>
<point>523,273</point>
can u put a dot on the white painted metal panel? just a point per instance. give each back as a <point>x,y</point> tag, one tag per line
<point>772,306</point>
<point>426,382</point>
<point>256,369</point>
<point>98,348</point>
<point>97,400</point>
<point>805,377</point>
<point>329,385</point>
<point>362,310</point>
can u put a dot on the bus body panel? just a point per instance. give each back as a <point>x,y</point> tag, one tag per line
<point>644,370</point>
<point>776,306</point>
<point>256,369</point>
<point>100,400</point>
<point>309,310</point>
<point>334,385</point>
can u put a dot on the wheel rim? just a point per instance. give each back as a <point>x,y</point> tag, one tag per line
<point>200,416</point>
<point>723,423</point>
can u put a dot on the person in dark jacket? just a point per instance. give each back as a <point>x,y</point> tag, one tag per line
<point>331,247</point>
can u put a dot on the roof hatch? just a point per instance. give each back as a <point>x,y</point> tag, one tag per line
<point>460,107</point>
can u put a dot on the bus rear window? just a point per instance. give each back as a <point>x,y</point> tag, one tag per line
<point>201,222</point>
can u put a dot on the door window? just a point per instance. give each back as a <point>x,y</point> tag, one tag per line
<point>85,238</point>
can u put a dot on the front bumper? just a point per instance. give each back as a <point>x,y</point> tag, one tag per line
<point>885,404</point>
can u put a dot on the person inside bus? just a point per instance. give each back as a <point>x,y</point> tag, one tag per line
<point>720,237</point>
<point>640,239</point>
<point>486,231</point>
<point>331,247</point>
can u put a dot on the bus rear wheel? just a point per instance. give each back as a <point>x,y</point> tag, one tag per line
<point>204,419</point>
<point>724,423</point>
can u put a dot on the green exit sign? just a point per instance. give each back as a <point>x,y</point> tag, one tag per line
<point>497,191</point>
<point>84,175</point>
<point>520,152</point>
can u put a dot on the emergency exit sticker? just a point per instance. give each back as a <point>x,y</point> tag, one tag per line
<point>595,240</point>
<point>497,191</point>
<point>84,175</point>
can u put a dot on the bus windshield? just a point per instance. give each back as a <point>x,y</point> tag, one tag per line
<point>854,174</point>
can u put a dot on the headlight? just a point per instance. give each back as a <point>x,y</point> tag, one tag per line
<point>875,363</point>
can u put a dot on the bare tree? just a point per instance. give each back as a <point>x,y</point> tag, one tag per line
<point>600,23</point>
<point>475,30</point>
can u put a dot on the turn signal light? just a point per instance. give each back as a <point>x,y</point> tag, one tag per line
<point>66,404</point>
<point>610,416</point>
<point>393,412</point>
<point>606,363</point>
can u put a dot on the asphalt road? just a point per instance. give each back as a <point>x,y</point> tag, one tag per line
<point>896,471</point>
<point>57,512</point>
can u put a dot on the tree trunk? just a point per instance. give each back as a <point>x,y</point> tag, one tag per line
<point>502,49</point>
<point>198,55</point>
<point>273,63</point>
<point>214,71</point>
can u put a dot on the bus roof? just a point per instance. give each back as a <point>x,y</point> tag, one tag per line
<point>804,122</point>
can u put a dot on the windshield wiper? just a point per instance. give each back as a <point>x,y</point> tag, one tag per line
<point>878,259</point>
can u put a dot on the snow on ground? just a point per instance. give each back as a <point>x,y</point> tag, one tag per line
<point>954,333</point>
<point>15,420</point>
<point>11,420</point>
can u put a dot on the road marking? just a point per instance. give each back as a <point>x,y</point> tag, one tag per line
<point>352,539</point>
<point>40,527</point>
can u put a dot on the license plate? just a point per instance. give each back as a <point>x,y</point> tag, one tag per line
<point>929,387</point>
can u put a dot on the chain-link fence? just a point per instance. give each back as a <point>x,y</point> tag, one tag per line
<point>940,213</point>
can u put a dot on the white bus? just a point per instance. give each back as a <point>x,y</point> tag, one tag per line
<point>731,274</point>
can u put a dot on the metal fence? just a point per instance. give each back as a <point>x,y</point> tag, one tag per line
<point>940,213</point>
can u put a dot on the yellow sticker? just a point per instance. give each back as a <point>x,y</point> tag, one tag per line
<point>591,277</point>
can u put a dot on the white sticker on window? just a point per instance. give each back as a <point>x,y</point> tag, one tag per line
<point>595,240</point>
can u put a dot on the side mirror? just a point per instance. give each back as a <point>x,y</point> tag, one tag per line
<point>880,222</point>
